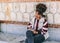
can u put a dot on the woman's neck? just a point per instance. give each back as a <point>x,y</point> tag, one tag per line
<point>38,18</point>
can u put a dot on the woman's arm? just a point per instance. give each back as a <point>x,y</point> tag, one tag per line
<point>44,28</point>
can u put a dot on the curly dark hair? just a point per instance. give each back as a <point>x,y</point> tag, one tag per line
<point>41,8</point>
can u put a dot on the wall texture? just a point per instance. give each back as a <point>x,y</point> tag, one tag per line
<point>24,11</point>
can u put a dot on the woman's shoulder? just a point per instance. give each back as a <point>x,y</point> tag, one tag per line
<point>42,19</point>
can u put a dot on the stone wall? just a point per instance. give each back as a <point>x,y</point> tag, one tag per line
<point>24,11</point>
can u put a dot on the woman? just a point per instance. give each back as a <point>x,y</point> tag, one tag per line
<point>38,28</point>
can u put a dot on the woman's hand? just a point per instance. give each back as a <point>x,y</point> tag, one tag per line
<point>35,32</point>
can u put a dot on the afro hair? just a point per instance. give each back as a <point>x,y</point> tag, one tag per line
<point>41,8</point>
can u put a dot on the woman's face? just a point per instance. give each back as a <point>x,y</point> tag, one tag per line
<point>37,16</point>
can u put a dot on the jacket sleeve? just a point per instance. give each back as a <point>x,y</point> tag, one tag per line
<point>30,24</point>
<point>44,28</point>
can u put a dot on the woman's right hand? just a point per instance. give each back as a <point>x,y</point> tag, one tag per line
<point>35,32</point>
